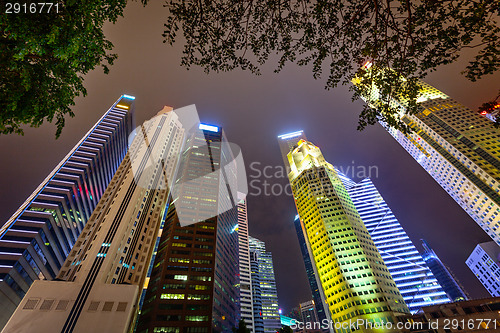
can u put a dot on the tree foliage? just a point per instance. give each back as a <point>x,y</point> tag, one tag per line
<point>403,39</point>
<point>43,57</point>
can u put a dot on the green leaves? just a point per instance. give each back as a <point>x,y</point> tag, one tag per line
<point>43,58</point>
<point>403,39</point>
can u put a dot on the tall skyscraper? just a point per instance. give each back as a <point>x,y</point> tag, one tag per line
<point>355,283</point>
<point>263,273</point>
<point>458,148</point>
<point>258,320</point>
<point>193,286</point>
<point>310,271</point>
<point>246,303</point>
<point>444,276</point>
<point>98,287</point>
<point>413,278</point>
<point>287,142</point>
<point>36,240</point>
<point>484,262</point>
<point>309,314</point>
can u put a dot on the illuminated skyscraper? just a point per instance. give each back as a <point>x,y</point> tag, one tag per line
<point>36,240</point>
<point>443,274</point>
<point>484,262</point>
<point>286,143</point>
<point>193,286</point>
<point>98,287</point>
<point>459,149</point>
<point>266,293</point>
<point>355,283</point>
<point>246,303</point>
<point>413,278</point>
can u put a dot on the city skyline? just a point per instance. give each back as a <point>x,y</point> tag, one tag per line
<point>42,151</point>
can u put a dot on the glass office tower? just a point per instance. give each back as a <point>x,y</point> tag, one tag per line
<point>413,278</point>
<point>458,147</point>
<point>444,276</point>
<point>193,286</point>
<point>355,283</point>
<point>311,275</point>
<point>266,293</point>
<point>98,287</point>
<point>36,240</point>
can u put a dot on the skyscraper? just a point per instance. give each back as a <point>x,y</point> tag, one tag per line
<point>193,286</point>
<point>99,285</point>
<point>484,262</point>
<point>310,271</point>
<point>266,293</point>
<point>444,276</point>
<point>287,142</point>
<point>246,303</point>
<point>355,283</point>
<point>413,278</point>
<point>309,314</point>
<point>458,148</point>
<point>36,240</point>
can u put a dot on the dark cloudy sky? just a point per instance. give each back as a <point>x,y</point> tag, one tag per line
<point>253,110</point>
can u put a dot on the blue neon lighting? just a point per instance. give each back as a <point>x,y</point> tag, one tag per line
<point>290,135</point>
<point>234,228</point>
<point>210,128</point>
<point>128,97</point>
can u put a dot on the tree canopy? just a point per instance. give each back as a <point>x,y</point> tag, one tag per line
<point>403,40</point>
<point>44,55</point>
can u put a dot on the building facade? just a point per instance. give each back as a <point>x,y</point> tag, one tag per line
<point>484,262</point>
<point>286,143</point>
<point>193,287</point>
<point>445,277</point>
<point>245,271</point>
<point>413,278</point>
<point>37,239</point>
<point>267,309</point>
<point>310,271</point>
<point>458,148</point>
<point>355,283</point>
<point>99,285</point>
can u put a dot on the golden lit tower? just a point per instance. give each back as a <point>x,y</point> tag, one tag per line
<point>356,286</point>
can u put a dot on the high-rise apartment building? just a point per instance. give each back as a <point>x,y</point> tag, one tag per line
<point>266,293</point>
<point>193,287</point>
<point>444,276</point>
<point>458,148</point>
<point>413,278</point>
<point>36,240</point>
<point>484,262</point>
<point>99,285</point>
<point>355,282</point>
<point>246,303</point>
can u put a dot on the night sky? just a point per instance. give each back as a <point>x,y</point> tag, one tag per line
<point>253,110</point>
